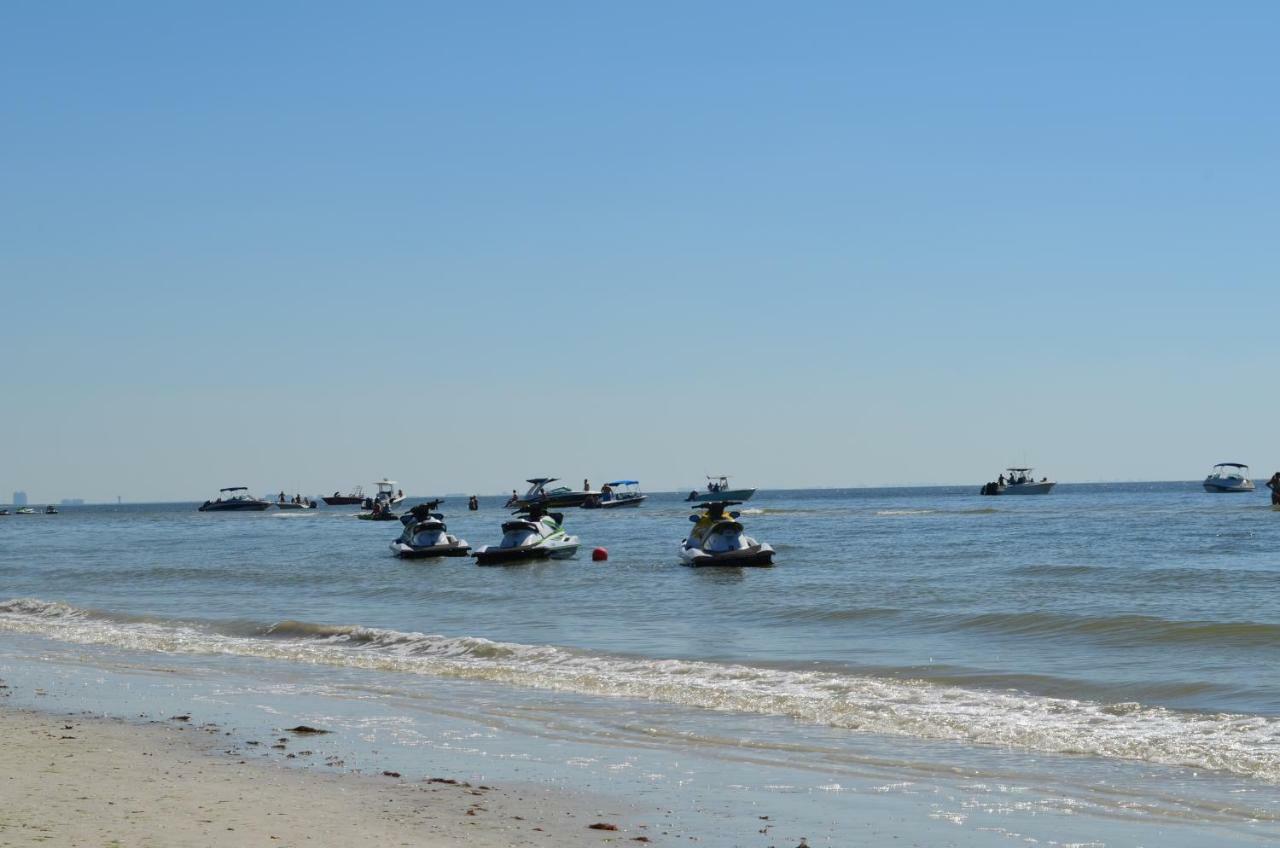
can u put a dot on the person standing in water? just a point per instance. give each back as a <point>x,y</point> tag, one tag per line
<point>1274,485</point>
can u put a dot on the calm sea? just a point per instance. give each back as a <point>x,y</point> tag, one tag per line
<point>1123,636</point>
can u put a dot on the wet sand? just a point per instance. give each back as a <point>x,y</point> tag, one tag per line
<point>83,781</point>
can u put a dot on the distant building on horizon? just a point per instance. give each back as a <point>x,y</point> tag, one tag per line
<point>19,498</point>
<point>72,502</point>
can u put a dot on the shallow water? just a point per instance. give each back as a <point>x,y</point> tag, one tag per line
<point>1102,636</point>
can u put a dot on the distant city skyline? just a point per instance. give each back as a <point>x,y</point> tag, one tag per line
<point>825,245</point>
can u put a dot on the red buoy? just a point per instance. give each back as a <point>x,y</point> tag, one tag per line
<point>599,555</point>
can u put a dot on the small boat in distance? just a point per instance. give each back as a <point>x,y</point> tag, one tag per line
<point>1228,477</point>
<point>235,499</point>
<point>1020,481</point>
<point>50,510</point>
<point>616,494</point>
<point>539,495</point>
<point>718,490</point>
<point>353,498</point>
<point>25,510</point>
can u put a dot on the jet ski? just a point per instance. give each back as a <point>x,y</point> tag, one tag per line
<point>718,539</point>
<point>425,535</point>
<point>536,534</point>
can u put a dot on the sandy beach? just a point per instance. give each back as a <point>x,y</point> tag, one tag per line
<point>82,781</point>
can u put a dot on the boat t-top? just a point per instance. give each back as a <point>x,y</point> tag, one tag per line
<point>1019,481</point>
<point>539,495</point>
<point>616,494</point>
<point>717,538</point>
<point>1229,477</point>
<point>718,490</point>
<point>235,499</point>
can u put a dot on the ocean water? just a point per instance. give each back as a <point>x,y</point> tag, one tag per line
<point>1100,665</point>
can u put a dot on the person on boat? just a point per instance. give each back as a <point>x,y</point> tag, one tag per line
<point>586,485</point>
<point>606,492</point>
<point>282,496</point>
<point>1000,480</point>
<point>400,494</point>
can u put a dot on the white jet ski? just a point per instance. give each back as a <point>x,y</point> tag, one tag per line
<point>535,535</point>
<point>425,535</point>
<point>718,539</point>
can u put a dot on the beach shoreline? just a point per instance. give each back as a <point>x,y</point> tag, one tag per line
<point>77,779</point>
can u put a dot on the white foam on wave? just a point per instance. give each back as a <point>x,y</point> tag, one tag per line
<point>1239,744</point>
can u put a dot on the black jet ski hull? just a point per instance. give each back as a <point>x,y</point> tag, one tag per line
<point>511,556</point>
<point>754,556</point>
<point>432,551</point>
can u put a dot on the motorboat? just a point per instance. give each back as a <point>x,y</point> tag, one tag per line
<point>539,495</point>
<point>388,495</point>
<point>616,494</point>
<point>4,512</point>
<point>425,535</point>
<point>235,499</point>
<point>50,510</point>
<point>718,490</point>
<point>1019,481</point>
<point>25,510</point>
<point>717,538</point>
<point>536,534</point>
<point>353,498</point>
<point>295,505</point>
<point>1228,477</point>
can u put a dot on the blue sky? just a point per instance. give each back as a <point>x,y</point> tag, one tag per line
<point>304,245</point>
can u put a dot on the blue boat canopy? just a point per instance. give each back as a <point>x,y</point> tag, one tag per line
<point>623,483</point>
<point>1231,465</point>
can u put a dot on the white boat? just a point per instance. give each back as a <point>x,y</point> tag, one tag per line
<point>616,494</point>
<point>718,490</point>
<point>718,539</point>
<point>537,534</point>
<point>1228,477</point>
<point>25,510</point>
<point>1019,481</point>
<point>388,493</point>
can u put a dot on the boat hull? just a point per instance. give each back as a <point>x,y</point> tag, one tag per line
<point>1028,488</point>
<point>1223,488</point>
<point>383,516</point>
<point>725,495</point>
<point>292,506</point>
<point>343,500</point>
<point>235,506</point>
<point>615,503</point>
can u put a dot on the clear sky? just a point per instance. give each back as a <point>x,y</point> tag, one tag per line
<point>303,245</point>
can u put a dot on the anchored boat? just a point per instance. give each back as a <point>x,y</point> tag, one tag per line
<point>1229,477</point>
<point>718,490</point>
<point>1019,481</point>
<point>539,495</point>
<point>235,499</point>
<point>616,494</point>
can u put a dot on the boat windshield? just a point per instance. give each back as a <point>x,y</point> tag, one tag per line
<point>1230,470</point>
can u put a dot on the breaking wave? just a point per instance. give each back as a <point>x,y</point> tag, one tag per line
<point>1245,745</point>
